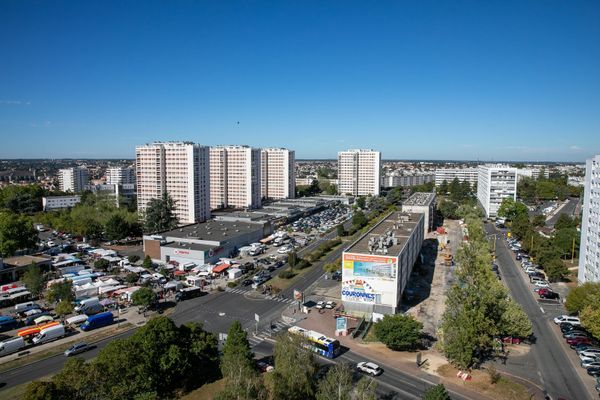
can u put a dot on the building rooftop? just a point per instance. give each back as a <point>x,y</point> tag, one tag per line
<point>211,231</point>
<point>389,236</point>
<point>419,199</point>
<point>21,261</point>
<point>190,246</point>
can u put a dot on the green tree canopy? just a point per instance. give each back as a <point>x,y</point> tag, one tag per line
<point>582,296</point>
<point>358,219</point>
<point>22,199</point>
<point>511,209</point>
<point>117,227</point>
<point>160,215</point>
<point>437,392</point>
<point>61,291</point>
<point>144,297</point>
<point>34,279</point>
<point>337,383</point>
<point>64,307</point>
<point>16,232</point>
<point>399,332</point>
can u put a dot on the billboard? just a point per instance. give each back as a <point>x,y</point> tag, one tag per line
<point>369,266</point>
<point>341,324</point>
<point>358,290</point>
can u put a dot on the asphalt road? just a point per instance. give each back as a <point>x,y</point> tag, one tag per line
<point>555,372</point>
<point>568,209</point>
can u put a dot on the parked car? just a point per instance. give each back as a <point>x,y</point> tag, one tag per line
<point>542,284</point>
<point>592,351</point>
<point>575,333</point>
<point>320,304</point>
<point>77,349</point>
<point>546,293</point>
<point>572,342</point>
<point>369,368</point>
<point>330,305</point>
<point>247,282</point>
<point>567,319</point>
<point>593,371</point>
<point>590,364</point>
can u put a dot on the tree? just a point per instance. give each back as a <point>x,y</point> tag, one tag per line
<point>556,270</point>
<point>358,219</point>
<point>61,291</point>
<point>39,390</point>
<point>590,318</point>
<point>399,332</point>
<point>237,366</point>
<point>147,262</point>
<point>144,297</point>
<point>101,264</point>
<point>16,232</point>
<point>448,209</point>
<point>64,307</point>
<point>539,220</point>
<point>34,279</point>
<point>295,367</point>
<point>515,322</point>
<point>366,389</point>
<point>133,258</point>
<point>510,209</point>
<point>160,215</point>
<point>437,392</point>
<point>22,199</point>
<point>292,259</point>
<point>116,227</point>
<point>341,231</point>
<point>582,296</point>
<point>337,384</point>
<point>443,188</point>
<point>361,202</point>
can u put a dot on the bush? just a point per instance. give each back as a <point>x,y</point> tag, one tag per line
<point>286,274</point>
<point>131,278</point>
<point>101,264</point>
<point>494,375</point>
<point>133,259</point>
<point>437,392</point>
<point>303,264</point>
<point>231,284</point>
<point>399,332</point>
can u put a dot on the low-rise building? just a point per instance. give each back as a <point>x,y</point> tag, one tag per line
<point>424,203</point>
<point>205,242</point>
<point>12,268</point>
<point>377,266</point>
<point>50,203</point>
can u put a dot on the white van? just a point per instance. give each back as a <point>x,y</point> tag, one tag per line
<point>87,302</point>
<point>49,334</point>
<point>24,306</point>
<point>11,346</point>
<point>76,320</point>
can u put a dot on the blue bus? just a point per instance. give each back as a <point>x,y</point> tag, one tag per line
<point>317,342</point>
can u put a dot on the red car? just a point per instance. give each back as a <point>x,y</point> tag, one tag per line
<point>578,340</point>
<point>546,293</point>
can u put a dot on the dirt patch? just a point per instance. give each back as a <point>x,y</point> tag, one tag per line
<point>503,389</point>
<point>206,392</point>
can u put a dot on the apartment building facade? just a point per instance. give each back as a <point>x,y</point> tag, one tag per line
<point>120,176</point>
<point>589,252</point>
<point>73,179</point>
<point>278,177</point>
<point>181,169</point>
<point>236,171</point>
<point>470,175</point>
<point>359,172</point>
<point>495,183</point>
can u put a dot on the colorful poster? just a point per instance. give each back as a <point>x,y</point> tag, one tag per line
<point>341,324</point>
<point>369,266</point>
<point>359,291</point>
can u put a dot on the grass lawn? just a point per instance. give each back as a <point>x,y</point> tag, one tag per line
<point>504,389</point>
<point>206,392</point>
<point>62,347</point>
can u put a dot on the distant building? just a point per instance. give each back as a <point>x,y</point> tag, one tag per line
<point>462,174</point>
<point>18,176</point>
<point>589,253</point>
<point>235,177</point>
<point>278,178</point>
<point>359,172</point>
<point>59,202</point>
<point>179,169</point>
<point>424,203</point>
<point>120,176</point>
<point>73,179</point>
<point>393,180</point>
<point>377,267</point>
<point>495,183</point>
<point>533,173</point>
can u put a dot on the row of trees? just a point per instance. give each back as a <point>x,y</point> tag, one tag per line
<point>585,301</point>
<point>478,308</point>
<point>157,361</point>
<point>16,232</point>
<point>532,190</point>
<point>458,200</point>
<point>547,252</point>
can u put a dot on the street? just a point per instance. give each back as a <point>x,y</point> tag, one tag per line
<point>555,372</point>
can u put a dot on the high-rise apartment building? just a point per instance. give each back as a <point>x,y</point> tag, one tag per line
<point>462,174</point>
<point>589,252</point>
<point>278,177</point>
<point>359,172</point>
<point>495,183</point>
<point>236,173</point>
<point>120,176</point>
<point>73,179</point>
<point>181,169</point>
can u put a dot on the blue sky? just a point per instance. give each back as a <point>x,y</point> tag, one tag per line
<point>480,80</point>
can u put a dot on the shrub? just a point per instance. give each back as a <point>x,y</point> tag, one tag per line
<point>303,264</point>
<point>399,332</point>
<point>286,274</point>
<point>133,259</point>
<point>231,284</point>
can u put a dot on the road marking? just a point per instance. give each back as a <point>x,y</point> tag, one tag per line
<point>542,310</point>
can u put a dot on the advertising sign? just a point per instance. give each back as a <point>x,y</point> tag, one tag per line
<point>341,324</point>
<point>370,266</point>
<point>181,252</point>
<point>359,291</point>
<point>297,295</point>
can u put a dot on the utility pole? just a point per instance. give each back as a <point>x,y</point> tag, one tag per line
<point>573,252</point>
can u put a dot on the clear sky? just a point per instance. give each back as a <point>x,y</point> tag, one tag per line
<point>480,80</point>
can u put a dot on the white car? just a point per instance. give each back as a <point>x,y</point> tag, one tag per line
<point>588,359</point>
<point>330,305</point>
<point>369,368</point>
<point>590,353</point>
<point>31,312</point>
<point>284,250</point>
<point>542,284</point>
<point>320,305</point>
<point>567,319</point>
<point>590,364</point>
<point>51,243</point>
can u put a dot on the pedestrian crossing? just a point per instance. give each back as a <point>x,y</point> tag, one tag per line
<point>267,332</point>
<point>272,297</point>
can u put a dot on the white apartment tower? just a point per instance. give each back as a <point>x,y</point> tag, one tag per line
<point>179,169</point>
<point>278,177</point>
<point>495,183</point>
<point>73,179</point>
<point>359,172</point>
<point>235,177</point>
<point>470,175</point>
<point>120,176</point>
<point>589,252</point>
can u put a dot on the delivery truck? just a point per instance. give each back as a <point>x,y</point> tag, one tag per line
<point>11,346</point>
<point>49,334</point>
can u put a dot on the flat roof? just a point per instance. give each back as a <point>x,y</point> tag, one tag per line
<point>419,199</point>
<point>213,230</point>
<point>20,261</point>
<point>190,246</point>
<point>399,224</point>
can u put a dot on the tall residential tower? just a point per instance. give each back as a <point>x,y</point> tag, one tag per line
<point>589,253</point>
<point>278,177</point>
<point>359,172</point>
<point>73,179</point>
<point>495,183</point>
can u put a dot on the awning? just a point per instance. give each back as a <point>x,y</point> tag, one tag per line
<point>220,268</point>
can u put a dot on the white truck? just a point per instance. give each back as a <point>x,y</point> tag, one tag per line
<point>86,303</point>
<point>49,334</point>
<point>11,346</point>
